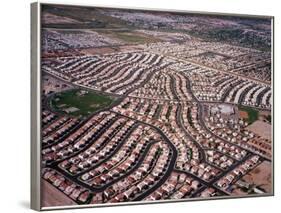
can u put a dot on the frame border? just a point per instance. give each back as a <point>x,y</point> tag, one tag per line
<point>36,74</point>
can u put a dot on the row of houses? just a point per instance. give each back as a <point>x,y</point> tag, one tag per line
<point>234,131</point>
<point>101,147</point>
<point>177,186</point>
<point>58,129</point>
<point>109,72</point>
<point>144,177</point>
<point>210,85</point>
<point>124,160</point>
<point>79,138</point>
<point>226,181</point>
<point>71,189</point>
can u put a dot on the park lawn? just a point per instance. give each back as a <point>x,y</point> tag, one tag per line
<point>133,37</point>
<point>130,36</point>
<point>85,103</point>
<point>253,114</point>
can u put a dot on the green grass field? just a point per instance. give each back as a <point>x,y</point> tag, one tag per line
<point>76,103</point>
<point>130,36</point>
<point>253,114</point>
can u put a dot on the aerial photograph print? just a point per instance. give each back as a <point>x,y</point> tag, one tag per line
<point>141,106</point>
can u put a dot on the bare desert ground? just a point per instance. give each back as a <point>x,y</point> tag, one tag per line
<point>261,128</point>
<point>53,197</point>
<point>260,177</point>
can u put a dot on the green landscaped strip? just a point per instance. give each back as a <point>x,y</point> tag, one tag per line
<point>253,114</point>
<point>85,103</point>
<point>130,36</point>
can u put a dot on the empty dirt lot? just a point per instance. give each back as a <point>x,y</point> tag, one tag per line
<point>53,197</point>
